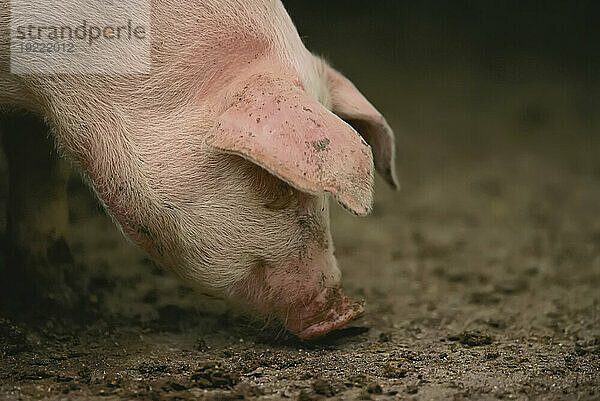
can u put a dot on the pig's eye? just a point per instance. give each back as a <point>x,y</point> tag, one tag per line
<point>282,198</point>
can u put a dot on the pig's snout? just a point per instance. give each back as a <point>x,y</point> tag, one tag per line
<point>305,294</point>
<point>329,310</point>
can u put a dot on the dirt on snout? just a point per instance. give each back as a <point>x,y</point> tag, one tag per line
<point>481,277</point>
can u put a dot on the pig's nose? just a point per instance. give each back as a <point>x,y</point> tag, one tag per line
<point>329,311</point>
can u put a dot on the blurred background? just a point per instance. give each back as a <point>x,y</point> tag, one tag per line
<point>487,70</point>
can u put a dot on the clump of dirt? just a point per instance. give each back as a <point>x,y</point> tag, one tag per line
<point>323,387</point>
<point>12,339</point>
<point>396,369</point>
<point>212,375</point>
<point>472,339</point>
<point>374,388</point>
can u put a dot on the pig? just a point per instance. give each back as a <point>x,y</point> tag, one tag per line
<point>219,163</point>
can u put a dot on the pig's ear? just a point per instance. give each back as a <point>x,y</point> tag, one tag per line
<point>276,125</point>
<point>353,107</point>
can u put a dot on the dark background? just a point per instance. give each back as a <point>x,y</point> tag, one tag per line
<point>487,33</point>
<point>462,51</point>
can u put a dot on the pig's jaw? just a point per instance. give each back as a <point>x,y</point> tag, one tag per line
<point>305,294</point>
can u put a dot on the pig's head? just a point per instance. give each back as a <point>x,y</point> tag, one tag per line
<point>271,135</point>
<point>221,162</point>
<point>276,157</point>
<point>244,206</point>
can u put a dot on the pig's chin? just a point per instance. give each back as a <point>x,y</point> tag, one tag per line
<point>330,310</point>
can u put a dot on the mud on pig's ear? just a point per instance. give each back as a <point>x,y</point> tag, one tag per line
<point>275,124</point>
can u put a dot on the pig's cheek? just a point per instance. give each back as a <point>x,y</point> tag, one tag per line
<point>271,290</point>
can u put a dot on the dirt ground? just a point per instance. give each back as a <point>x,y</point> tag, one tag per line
<point>481,277</point>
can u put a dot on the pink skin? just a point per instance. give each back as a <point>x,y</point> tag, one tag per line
<point>305,294</point>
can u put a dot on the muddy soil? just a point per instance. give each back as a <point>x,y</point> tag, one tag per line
<point>481,277</point>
